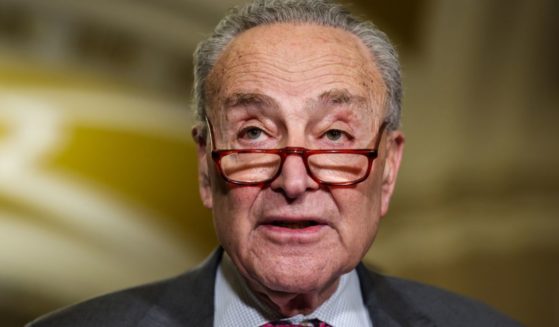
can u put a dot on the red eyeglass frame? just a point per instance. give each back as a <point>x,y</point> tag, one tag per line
<point>304,153</point>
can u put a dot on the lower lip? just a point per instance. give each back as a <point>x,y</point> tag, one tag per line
<point>309,229</point>
<point>284,234</point>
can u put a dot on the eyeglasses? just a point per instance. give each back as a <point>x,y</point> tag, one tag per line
<point>332,167</point>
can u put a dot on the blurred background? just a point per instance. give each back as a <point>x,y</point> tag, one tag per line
<point>97,169</point>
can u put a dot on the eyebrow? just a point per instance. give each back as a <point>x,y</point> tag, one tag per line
<point>341,97</point>
<point>333,97</point>
<point>249,99</point>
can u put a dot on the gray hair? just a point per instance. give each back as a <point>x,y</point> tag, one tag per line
<point>319,12</point>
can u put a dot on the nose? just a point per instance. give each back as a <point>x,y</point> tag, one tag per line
<point>294,180</point>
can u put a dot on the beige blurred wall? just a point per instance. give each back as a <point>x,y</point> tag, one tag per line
<point>97,173</point>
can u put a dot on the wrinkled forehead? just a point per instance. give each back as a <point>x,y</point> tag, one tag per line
<point>292,65</point>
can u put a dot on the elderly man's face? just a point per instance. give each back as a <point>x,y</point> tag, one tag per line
<point>301,86</point>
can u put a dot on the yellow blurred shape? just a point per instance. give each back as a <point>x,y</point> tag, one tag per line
<point>18,71</point>
<point>3,130</point>
<point>158,173</point>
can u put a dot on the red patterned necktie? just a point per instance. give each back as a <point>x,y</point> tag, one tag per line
<point>306,323</point>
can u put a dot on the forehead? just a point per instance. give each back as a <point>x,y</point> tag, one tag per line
<point>295,63</point>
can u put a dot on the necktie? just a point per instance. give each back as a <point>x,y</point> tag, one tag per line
<point>306,323</point>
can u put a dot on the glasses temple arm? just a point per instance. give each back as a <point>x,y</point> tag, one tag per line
<point>381,131</point>
<point>210,131</point>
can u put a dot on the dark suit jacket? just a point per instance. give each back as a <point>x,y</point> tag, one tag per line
<point>188,300</point>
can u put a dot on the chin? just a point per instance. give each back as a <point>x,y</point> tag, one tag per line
<point>296,279</point>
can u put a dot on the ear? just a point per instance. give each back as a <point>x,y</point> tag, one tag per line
<point>394,151</point>
<point>204,185</point>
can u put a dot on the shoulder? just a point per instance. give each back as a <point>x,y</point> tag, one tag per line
<point>172,302</point>
<point>122,308</point>
<point>401,299</point>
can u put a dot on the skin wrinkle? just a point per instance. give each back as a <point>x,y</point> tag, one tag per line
<point>377,98</point>
<point>377,95</point>
<point>331,106</point>
<point>238,115</point>
<point>283,66</point>
<point>248,99</point>
<point>256,98</point>
<point>232,58</point>
<point>280,69</point>
<point>352,214</point>
<point>356,105</point>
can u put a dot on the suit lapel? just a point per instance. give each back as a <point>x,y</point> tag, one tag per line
<point>387,306</point>
<point>187,300</point>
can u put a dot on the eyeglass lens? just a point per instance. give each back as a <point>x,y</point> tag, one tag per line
<point>327,167</point>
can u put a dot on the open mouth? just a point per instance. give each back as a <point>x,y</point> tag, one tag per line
<point>295,224</point>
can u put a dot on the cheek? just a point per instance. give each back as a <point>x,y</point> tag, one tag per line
<point>232,214</point>
<point>360,209</point>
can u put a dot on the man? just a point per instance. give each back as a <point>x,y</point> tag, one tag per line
<point>298,148</point>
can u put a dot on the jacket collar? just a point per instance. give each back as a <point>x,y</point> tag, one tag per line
<point>188,299</point>
<point>387,306</point>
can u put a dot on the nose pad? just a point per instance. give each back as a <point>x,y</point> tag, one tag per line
<point>293,179</point>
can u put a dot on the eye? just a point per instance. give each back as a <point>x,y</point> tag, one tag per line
<point>251,133</point>
<point>334,134</point>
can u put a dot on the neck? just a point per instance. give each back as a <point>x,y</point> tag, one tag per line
<point>286,304</point>
<point>291,304</point>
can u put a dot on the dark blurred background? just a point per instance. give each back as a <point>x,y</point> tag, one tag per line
<point>97,172</point>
